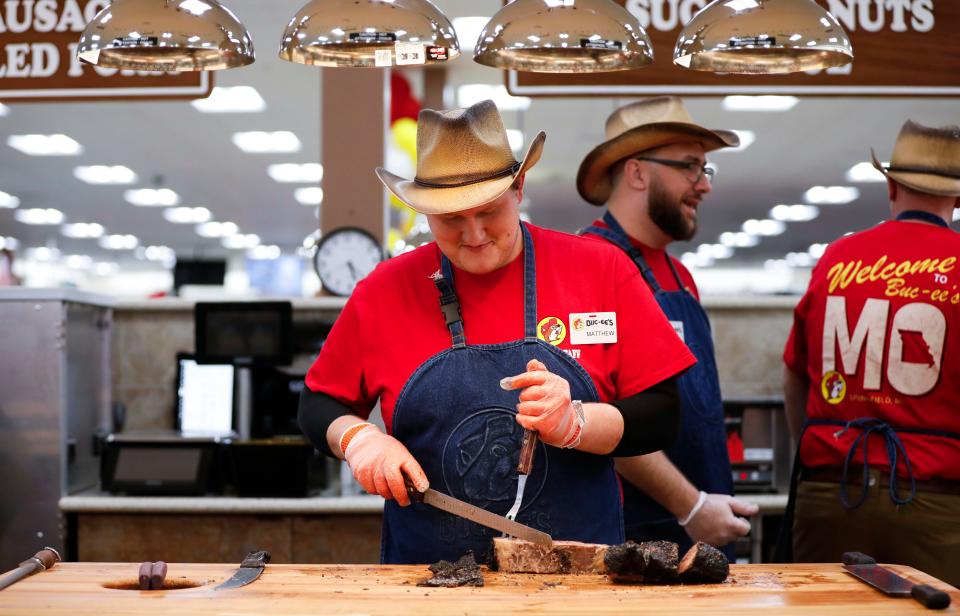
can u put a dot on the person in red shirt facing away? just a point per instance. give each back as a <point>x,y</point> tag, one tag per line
<point>872,376</point>
<point>651,173</point>
<point>496,327</point>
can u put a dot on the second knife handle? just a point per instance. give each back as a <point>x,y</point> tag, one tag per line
<point>930,597</point>
<point>527,448</point>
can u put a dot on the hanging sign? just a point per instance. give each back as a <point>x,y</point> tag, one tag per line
<point>900,48</point>
<point>38,59</point>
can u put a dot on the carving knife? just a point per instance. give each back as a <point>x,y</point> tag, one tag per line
<point>250,569</point>
<point>866,569</point>
<point>481,516</point>
<point>41,561</point>
<point>528,447</point>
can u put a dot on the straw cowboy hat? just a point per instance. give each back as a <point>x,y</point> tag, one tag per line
<point>925,159</point>
<point>463,160</point>
<point>641,126</point>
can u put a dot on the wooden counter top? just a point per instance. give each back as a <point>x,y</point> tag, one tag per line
<point>78,589</point>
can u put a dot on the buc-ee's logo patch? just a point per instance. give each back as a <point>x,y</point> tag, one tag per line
<point>552,330</point>
<point>833,387</point>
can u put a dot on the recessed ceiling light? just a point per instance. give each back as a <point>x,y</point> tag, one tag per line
<point>79,261</point>
<point>799,259</point>
<point>45,145</point>
<point>738,240</point>
<point>238,99</point>
<point>260,142</point>
<point>119,242</point>
<point>39,216</point>
<point>11,243</point>
<point>715,251</point>
<point>105,174</point>
<point>696,259</point>
<point>8,200</point>
<point>82,230</point>
<point>241,241</point>
<point>152,197</point>
<point>816,250</point>
<point>159,253</point>
<point>43,254</point>
<point>767,228</point>
<point>865,172</point>
<point>187,215</point>
<point>264,252</point>
<point>310,195</point>
<point>760,103</point>
<point>296,173</point>
<point>794,213</point>
<point>831,195</point>
<point>217,229</point>
<point>473,93</point>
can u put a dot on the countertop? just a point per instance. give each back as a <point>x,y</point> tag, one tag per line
<point>785,590</point>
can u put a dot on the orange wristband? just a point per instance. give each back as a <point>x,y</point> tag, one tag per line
<point>349,433</point>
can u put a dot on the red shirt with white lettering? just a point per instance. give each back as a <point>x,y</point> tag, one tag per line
<point>392,322</point>
<point>878,335</point>
<point>657,260</point>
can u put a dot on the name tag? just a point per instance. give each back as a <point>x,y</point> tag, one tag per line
<point>593,327</point>
<point>678,327</point>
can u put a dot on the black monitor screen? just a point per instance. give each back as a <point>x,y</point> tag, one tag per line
<point>189,271</point>
<point>244,332</point>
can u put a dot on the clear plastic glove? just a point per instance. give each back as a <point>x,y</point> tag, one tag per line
<point>717,521</point>
<point>544,404</point>
<point>379,463</point>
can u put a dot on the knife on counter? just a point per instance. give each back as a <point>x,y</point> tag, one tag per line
<point>483,517</point>
<point>41,561</point>
<point>866,569</point>
<point>250,569</point>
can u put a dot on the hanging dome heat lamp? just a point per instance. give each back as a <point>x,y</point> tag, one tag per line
<point>166,35</point>
<point>762,37</point>
<point>365,33</point>
<point>564,36</point>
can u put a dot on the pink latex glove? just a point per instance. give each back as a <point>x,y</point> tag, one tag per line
<point>379,463</point>
<point>544,404</point>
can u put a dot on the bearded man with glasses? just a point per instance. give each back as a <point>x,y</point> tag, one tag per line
<point>652,174</point>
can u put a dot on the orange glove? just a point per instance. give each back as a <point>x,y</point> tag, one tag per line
<point>545,405</point>
<point>379,463</point>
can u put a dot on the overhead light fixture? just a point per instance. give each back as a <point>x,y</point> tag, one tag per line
<point>369,33</point>
<point>236,99</point>
<point>767,102</point>
<point>187,215</point>
<point>217,229</point>
<point>8,201</point>
<point>166,35</point>
<point>241,241</point>
<point>831,195</point>
<point>43,254</point>
<point>762,37</point>
<point>163,254</point>
<point>309,195</point>
<point>105,174</point>
<point>152,197</point>
<point>82,230</point>
<point>794,213</point>
<point>766,228</point>
<point>264,252</point>
<point>739,239</point>
<point>10,243</point>
<point>79,261</point>
<point>564,36</point>
<point>45,145</point>
<point>39,216</point>
<point>260,142</point>
<point>119,242</point>
<point>799,259</point>
<point>296,173</point>
<point>866,172</point>
<point>816,250</point>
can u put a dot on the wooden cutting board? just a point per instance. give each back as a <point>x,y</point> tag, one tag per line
<point>83,588</point>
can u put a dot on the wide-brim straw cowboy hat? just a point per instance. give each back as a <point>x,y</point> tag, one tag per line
<point>463,160</point>
<point>925,159</point>
<point>641,126</point>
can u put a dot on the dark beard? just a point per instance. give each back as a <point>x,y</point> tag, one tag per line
<point>666,214</point>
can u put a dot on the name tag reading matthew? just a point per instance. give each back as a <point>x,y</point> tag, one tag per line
<point>593,327</point>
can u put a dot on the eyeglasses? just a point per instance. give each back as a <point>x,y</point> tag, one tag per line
<point>693,171</point>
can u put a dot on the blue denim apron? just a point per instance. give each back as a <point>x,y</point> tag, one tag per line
<point>700,452</point>
<point>460,426</point>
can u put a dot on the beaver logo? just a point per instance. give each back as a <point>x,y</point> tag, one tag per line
<point>552,330</point>
<point>577,324</point>
<point>833,387</point>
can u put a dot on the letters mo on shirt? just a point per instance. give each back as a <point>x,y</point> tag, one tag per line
<point>922,322</point>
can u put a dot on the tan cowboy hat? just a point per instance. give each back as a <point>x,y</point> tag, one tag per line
<point>925,159</point>
<point>641,126</point>
<point>463,160</point>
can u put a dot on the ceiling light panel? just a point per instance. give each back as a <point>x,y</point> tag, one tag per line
<point>865,172</point>
<point>43,254</point>
<point>236,99</point>
<point>261,142</point>
<point>8,201</point>
<point>267,252</point>
<point>308,173</point>
<point>82,230</point>
<point>152,197</point>
<point>760,103</point>
<point>794,213</point>
<point>831,195</point>
<point>105,174</point>
<point>119,242</point>
<point>39,216</point>
<point>217,229</point>
<point>310,195</point>
<point>241,241</point>
<point>45,145</point>
<point>159,253</point>
<point>187,215</point>
<point>766,228</point>
<point>79,261</point>
<point>10,243</point>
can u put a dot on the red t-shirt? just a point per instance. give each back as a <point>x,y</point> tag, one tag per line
<point>878,335</point>
<point>392,323</point>
<point>657,260</point>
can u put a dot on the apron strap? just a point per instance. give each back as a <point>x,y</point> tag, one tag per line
<point>676,274</point>
<point>449,304</point>
<point>529,285</point>
<point>615,234</point>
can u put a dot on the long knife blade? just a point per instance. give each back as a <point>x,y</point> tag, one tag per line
<point>250,569</point>
<point>866,569</point>
<point>480,516</point>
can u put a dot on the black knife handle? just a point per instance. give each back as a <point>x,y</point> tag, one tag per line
<point>416,496</point>
<point>857,558</point>
<point>527,448</point>
<point>930,597</point>
<point>256,560</point>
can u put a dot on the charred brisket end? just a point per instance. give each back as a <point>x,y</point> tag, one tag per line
<point>625,563</point>
<point>519,556</point>
<point>464,572</point>
<point>661,559</point>
<point>704,564</point>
